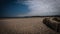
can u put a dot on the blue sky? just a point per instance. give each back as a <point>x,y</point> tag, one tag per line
<point>18,8</point>
<point>12,9</point>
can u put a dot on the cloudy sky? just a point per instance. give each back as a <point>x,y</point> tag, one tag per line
<point>19,8</point>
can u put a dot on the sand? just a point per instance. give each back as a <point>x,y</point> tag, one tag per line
<point>24,26</point>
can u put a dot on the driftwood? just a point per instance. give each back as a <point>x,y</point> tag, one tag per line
<point>53,23</point>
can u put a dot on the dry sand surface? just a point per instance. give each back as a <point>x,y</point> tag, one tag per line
<point>24,26</point>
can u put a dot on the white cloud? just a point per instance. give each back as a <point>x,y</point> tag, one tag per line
<point>42,7</point>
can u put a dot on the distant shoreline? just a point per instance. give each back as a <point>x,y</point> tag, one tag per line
<point>27,17</point>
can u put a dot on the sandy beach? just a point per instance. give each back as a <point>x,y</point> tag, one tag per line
<point>24,26</point>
